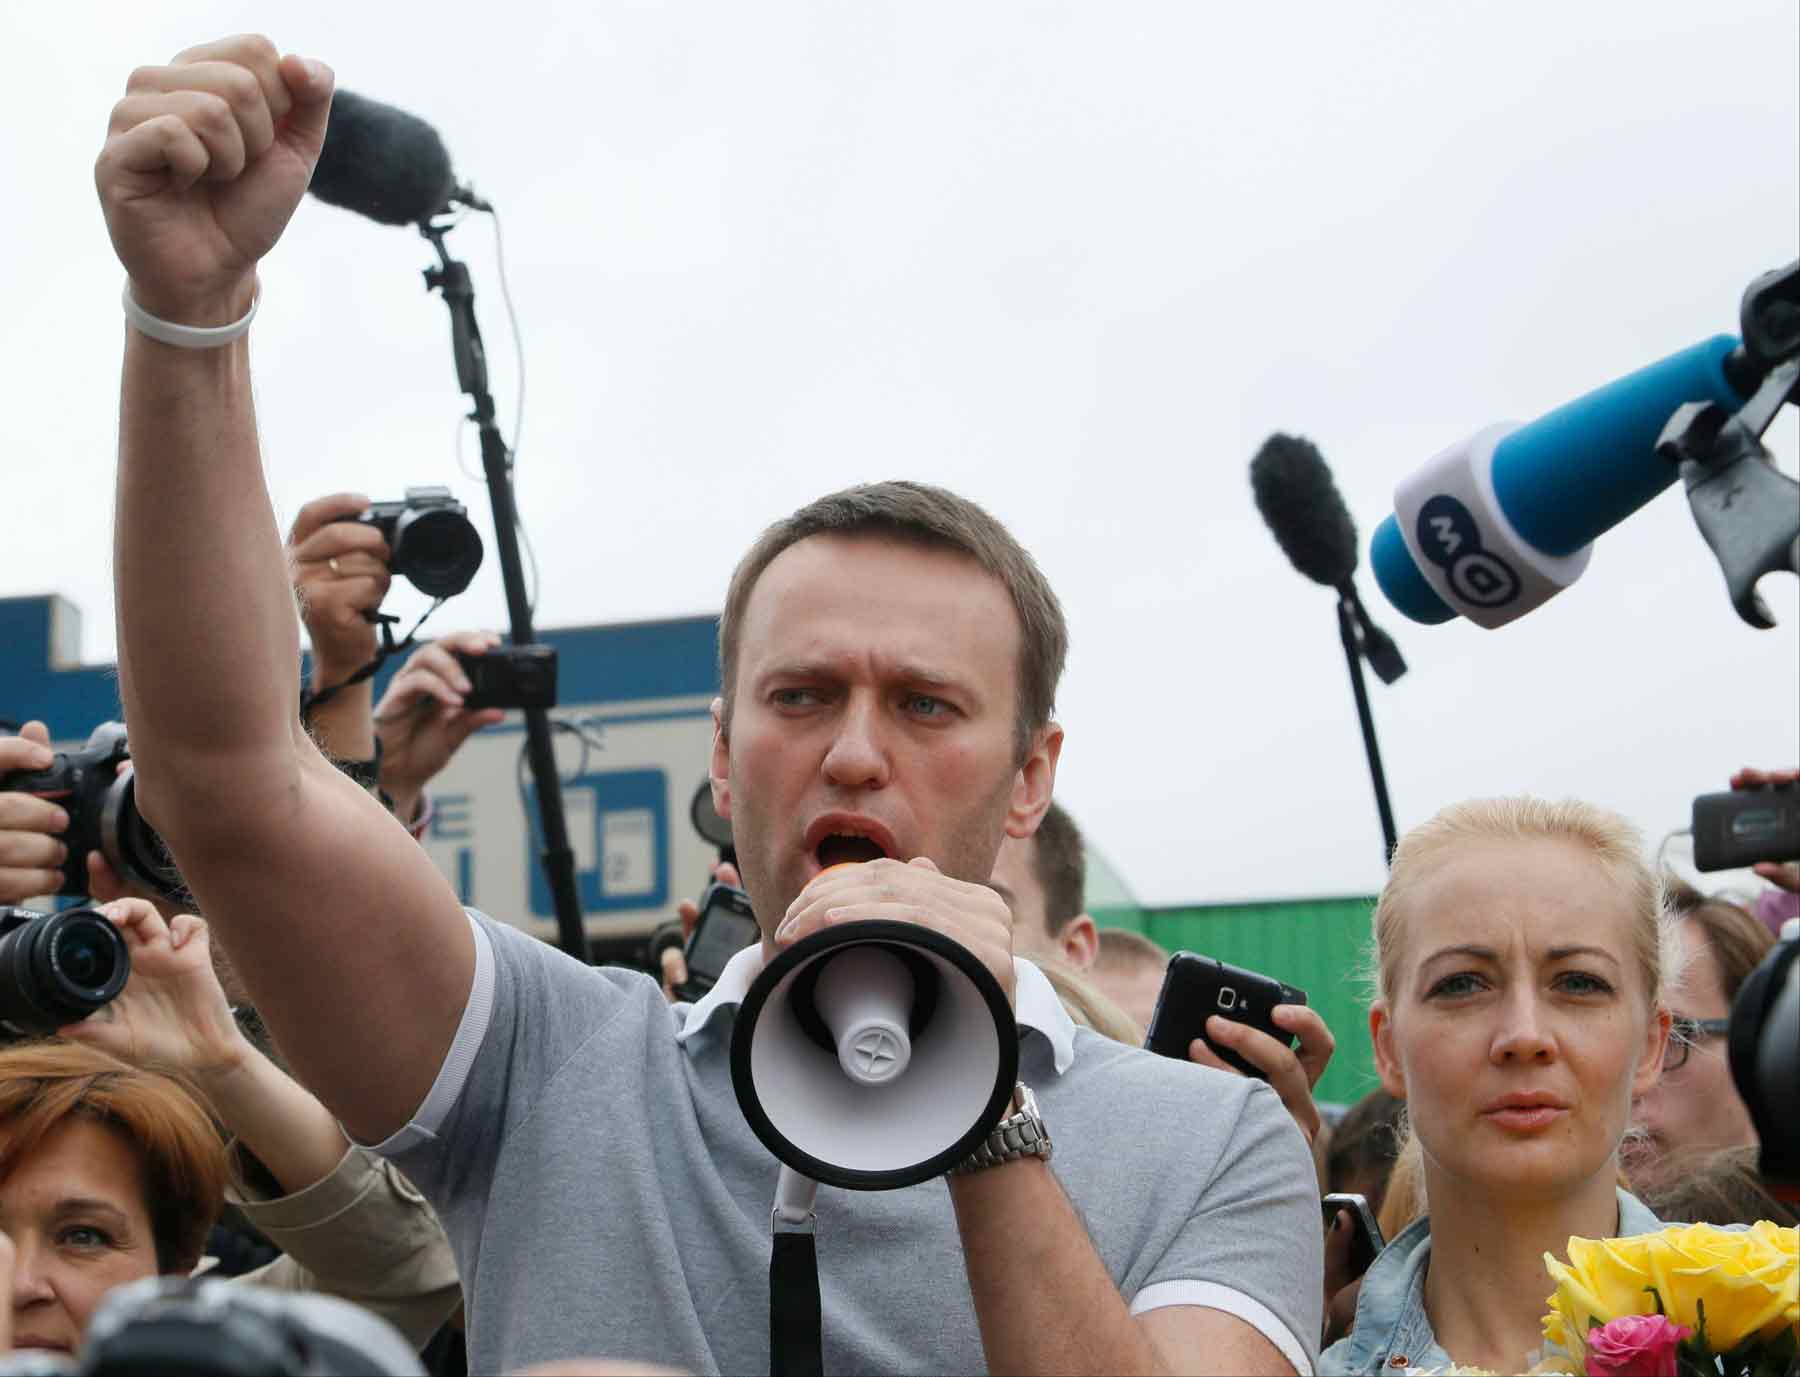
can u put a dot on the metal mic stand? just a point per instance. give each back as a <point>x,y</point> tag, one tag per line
<point>452,279</point>
<point>1747,510</point>
<point>1362,637</point>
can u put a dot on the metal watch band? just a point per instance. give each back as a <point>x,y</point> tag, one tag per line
<point>1019,1135</point>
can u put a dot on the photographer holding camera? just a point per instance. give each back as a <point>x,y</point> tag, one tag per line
<point>31,852</point>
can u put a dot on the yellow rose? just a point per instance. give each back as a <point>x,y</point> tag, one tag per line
<point>1748,1279</point>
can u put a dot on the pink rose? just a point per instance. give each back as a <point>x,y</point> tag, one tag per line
<point>1634,1346</point>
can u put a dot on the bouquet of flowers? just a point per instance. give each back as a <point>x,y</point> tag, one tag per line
<point>1689,1300</point>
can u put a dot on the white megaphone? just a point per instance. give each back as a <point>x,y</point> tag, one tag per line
<point>874,1055</point>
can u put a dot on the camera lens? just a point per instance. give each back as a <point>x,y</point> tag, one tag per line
<point>439,550</point>
<point>86,955</point>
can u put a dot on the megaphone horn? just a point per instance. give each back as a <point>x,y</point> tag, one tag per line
<point>874,1055</point>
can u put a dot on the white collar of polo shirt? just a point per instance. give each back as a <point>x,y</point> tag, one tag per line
<point>1034,1001</point>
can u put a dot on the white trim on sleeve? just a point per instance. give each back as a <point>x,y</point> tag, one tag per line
<point>1213,1296</point>
<point>458,1061</point>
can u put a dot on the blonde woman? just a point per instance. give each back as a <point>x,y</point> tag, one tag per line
<point>1522,954</point>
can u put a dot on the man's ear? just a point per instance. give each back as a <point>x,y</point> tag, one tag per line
<point>1656,1046</point>
<point>1381,1037</point>
<point>718,770</point>
<point>1079,941</point>
<point>1034,782</point>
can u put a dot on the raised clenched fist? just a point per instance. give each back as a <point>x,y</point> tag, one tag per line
<point>204,162</point>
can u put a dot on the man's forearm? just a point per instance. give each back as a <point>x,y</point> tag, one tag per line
<point>1044,1299</point>
<point>208,641</point>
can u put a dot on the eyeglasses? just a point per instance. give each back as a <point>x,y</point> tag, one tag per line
<point>1684,1032</point>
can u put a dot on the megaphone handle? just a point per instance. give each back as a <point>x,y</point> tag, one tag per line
<point>795,1343</point>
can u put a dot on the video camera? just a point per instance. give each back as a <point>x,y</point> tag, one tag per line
<point>57,968</point>
<point>101,801</point>
<point>430,539</point>
<point>1764,1049</point>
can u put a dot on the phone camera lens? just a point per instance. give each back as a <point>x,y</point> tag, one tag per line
<point>1227,998</point>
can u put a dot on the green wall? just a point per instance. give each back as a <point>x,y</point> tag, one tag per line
<point>1317,944</point>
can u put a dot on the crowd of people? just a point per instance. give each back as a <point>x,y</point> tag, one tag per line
<point>339,1080</point>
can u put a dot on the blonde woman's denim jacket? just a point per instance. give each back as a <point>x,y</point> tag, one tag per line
<point>1392,1330</point>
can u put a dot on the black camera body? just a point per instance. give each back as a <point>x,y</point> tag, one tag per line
<point>510,676</point>
<point>101,801</point>
<point>431,541</point>
<point>57,968</point>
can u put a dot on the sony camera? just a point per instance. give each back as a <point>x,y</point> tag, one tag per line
<point>57,968</point>
<point>101,801</point>
<point>431,541</point>
<point>510,676</point>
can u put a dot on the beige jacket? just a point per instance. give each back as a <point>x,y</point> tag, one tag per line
<point>363,1234</point>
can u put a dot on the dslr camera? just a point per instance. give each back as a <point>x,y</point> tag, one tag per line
<point>102,806</point>
<point>57,968</point>
<point>431,541</point>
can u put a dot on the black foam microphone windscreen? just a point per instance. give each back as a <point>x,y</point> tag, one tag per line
<point>382,163</point>
<point>1302,506</point>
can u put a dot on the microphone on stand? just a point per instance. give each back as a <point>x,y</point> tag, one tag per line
<point>1301,504</point>
<point>386,164</point>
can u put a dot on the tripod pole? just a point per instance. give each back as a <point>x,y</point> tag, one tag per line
<point>558,860</point>
<point>1347,632</point>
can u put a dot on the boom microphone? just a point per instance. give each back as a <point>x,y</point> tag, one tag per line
<point>1302,506</point>
<point>385,164</point>
<point>1499,524</point>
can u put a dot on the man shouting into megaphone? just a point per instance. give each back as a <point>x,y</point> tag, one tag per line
<point>889,662</point>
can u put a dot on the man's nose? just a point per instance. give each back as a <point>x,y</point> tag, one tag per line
<point>858,756</point>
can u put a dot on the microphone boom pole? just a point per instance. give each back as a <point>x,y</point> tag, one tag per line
<point>451,278</point>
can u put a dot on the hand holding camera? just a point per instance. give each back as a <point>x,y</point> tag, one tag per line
<point>172,1014</point>
<point>31,852</point>
<point>423,718</point>
<point>340,575</point>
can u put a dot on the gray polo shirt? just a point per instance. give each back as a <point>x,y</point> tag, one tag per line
<point>604,1195</point>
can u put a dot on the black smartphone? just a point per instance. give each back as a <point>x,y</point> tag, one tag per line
<point>725,927</point>
<point>1745,826</point>
<point>1196,987</point>
<point>1365,1233</point>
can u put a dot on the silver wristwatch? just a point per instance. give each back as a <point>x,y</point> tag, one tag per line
<point>1019,1135</point>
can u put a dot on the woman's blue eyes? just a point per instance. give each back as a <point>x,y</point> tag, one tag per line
<point>1572,982</point>
<point>86,1236</point>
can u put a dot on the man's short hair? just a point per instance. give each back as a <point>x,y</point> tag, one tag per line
<point>932,518</point>
<point>1059,861</point>
<point>1122,950</point>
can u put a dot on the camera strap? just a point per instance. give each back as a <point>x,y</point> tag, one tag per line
<point>795,1340</point>
<point>385,624</point>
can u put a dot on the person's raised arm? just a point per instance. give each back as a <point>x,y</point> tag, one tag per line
<point>354,947</point>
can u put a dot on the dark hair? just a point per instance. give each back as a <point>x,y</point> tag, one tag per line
<point>933,519</point>
<point>1060,864</point>
<point>1121,949</point>
<point>44,1085</point>
<point>1736,937</point>
<point>1364,1145</point>
<point>1715,1186</point>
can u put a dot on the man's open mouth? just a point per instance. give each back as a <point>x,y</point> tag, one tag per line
<point>841,848</point>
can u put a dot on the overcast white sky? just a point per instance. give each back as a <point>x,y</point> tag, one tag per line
<point>1074,260</point>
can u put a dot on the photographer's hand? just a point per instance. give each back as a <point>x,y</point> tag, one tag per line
<point>422,721</point>
<point>172,1016</point>
<point>30,854</point>
<point>1292,1075</point>
<point>340,572</point>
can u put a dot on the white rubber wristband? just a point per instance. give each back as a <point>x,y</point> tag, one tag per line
<point>187,336</point>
